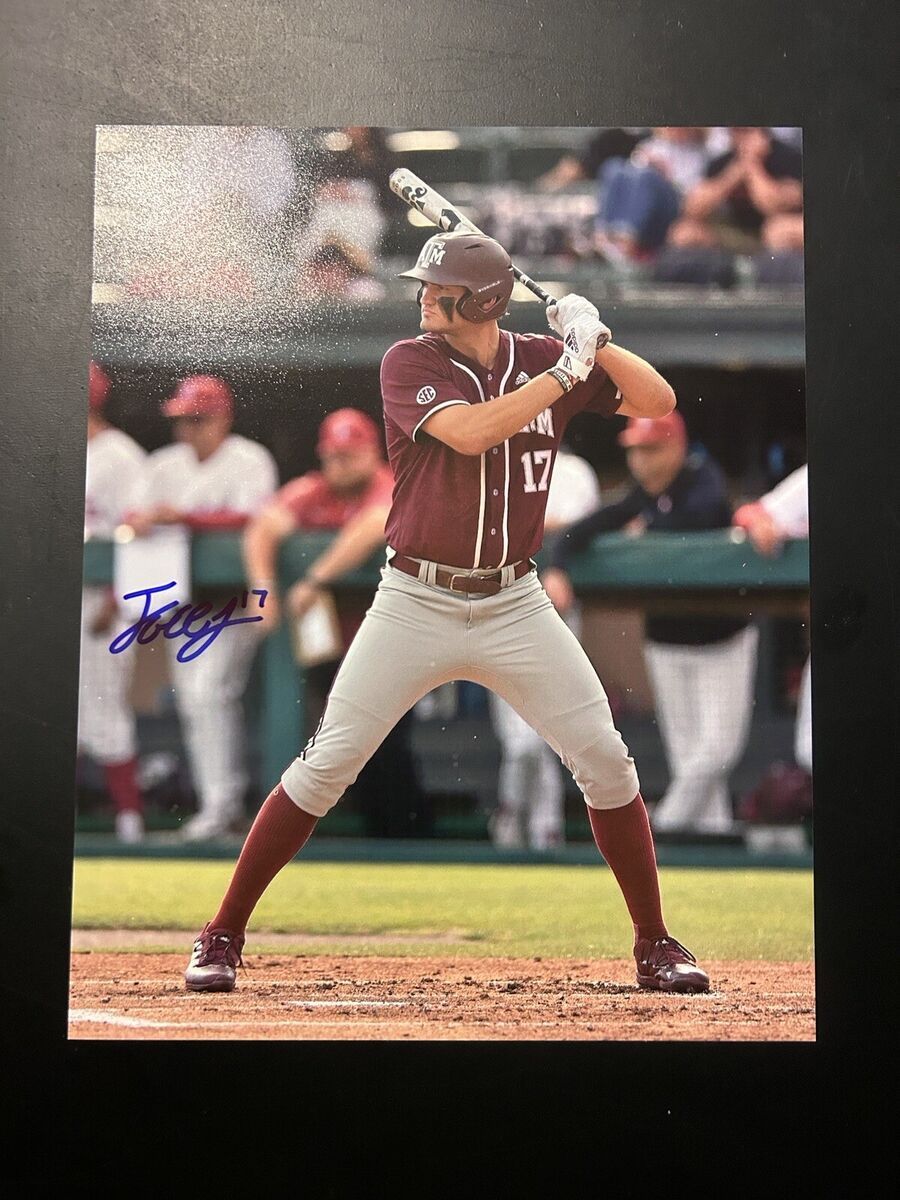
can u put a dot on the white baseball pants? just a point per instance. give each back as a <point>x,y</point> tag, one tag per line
<point>208,692</point>
<point>803,728</point>
<point>704,703</point>
<point>106,728</point>
<point>417,636</point>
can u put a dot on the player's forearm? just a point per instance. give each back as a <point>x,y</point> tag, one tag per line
<point>477,427</point>
<point>353,546</point>
<point>260,550</point>
<point>644,391</point>
<point>222,519</point>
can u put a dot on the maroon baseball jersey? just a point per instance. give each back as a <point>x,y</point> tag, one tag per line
<point>474,510</point>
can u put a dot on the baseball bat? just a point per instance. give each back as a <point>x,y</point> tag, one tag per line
<point>431,204</point>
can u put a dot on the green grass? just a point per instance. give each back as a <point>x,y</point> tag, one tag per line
<point>552,911</point>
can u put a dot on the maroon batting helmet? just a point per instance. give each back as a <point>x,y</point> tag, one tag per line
<point>199,396</point>
<point>470,260</point>
<point>98,387</point>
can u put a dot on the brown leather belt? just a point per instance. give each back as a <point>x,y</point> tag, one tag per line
<point>484,585</point>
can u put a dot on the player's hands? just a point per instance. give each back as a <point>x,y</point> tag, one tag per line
<point>166,514</point>
<point>563,311</point>
<point>578,322</point>
<point>582,339</point>
<point>559,588</point>
<point>763,532</point>
<point>301,598</point>
<point>141,523</point>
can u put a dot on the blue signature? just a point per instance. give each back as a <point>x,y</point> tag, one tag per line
<point>148,626</point>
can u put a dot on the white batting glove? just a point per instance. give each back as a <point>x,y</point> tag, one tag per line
<point>562,312</point>
<point>581,340</point>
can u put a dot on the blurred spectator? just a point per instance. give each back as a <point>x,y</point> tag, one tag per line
<point>781,514</point>
<point>106,727</point>
<point>604,143</point>
<point>352,494</point>
<point>640,197</point>
<point>752,196</point>
<point>211,479</point>
<point>352,206</point>
<point>702,667</point>
<point>530,787</point>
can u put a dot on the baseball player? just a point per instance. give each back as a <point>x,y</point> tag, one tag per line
<point>350,495</point>
<point>105,720</point>
<point>474,416</point>
<point>781,514</point>
<point>530,789</point>
<point>702,667</point>
<point>210,479</point>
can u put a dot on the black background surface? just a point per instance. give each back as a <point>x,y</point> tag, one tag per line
<point>214,1116</point>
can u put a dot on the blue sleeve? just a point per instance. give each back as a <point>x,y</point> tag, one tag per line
<point>579,536</point>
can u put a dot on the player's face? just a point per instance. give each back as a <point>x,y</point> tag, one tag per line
<point>349,470</point>
<point>433,318</point>
<point>204,434</point>
<point>656,465</point>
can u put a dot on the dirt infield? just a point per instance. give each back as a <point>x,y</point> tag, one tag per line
<point>141,996</point>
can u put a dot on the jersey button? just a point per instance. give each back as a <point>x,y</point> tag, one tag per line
<point>493,533</point>
<point>490,377</point>
<point>496,491</point>
<point>495,451</point>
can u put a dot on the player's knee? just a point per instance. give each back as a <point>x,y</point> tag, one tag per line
<point>606,774</point>
<point>316,785</point>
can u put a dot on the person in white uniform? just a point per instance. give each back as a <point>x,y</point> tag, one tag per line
<point>702,668</point>
<point>530,787</point>
<point>776,517</point>
<point>106,726</point>
<point>210,479</point>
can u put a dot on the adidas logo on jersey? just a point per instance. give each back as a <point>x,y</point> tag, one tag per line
<point>521,378</point>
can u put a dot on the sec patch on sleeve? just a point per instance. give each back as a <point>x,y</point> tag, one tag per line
<point>425,395</point>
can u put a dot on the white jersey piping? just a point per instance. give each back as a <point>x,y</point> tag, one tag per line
<point>481,507</point>
<point>512,355</point>
<point>446,404</point>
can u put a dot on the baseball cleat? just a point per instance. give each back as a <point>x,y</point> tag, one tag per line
<point>664,964</point>
<point>216,954</point>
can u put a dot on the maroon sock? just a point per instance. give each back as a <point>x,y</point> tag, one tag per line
<point>121,780</point>
<point>624,839</point>
<point>279,831</point>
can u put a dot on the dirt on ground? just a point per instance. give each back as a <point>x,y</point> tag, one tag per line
<point>141,996</point>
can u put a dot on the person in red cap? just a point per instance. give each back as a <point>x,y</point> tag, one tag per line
<point>106,727</point>
<point>210,480</point>
<point>702,668</point>
<point>350,495</point>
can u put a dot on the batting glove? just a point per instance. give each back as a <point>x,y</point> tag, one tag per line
<point>564,311</point>
<point>581,340</point>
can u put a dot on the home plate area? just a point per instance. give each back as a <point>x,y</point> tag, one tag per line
<point>317,997</point>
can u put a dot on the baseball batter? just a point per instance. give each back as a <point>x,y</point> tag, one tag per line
<point>474,416</point>
<point>106,728</point>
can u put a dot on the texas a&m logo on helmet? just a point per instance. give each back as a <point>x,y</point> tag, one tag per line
<point>432,253</point>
